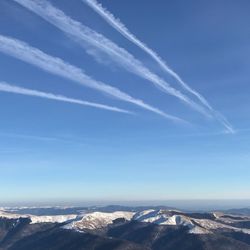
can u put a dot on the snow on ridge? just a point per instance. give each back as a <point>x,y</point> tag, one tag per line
<point>177,220</point>
<point>5,214</point>
<point>196,226</point>
<point>210,224</point>
<point>97,220</point>
<point>52,218</point>
<point>167,217</point>
<point>162,217</point>
<point>143,213</point>
<point>39,219</point>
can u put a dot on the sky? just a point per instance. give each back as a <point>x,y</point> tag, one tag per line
<point>124,100</point>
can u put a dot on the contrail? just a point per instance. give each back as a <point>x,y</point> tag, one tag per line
<point>57,66</point>
<point>123,30</point>
<point>83,34</point>
<point>5,87</point>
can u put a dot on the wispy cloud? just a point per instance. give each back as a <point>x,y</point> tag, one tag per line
<point>5,87</point>
<point>32,137</point>
<point>84,35</point>
<point>42,138</point>
<point>7,151</point>
<point>122,29</point>
<point>57,66</point>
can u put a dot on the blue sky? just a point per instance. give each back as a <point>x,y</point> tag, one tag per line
<point>166,148</point>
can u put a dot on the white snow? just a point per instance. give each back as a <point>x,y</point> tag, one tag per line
<point>210,224</point>
<point>40,219</point>
<point>97,220</point>
<point>199,230</point>
<point>144,213</point>
<point>166,217</point>
<point>5,214</point>
<point>162,217</point>
<point>52,218</point>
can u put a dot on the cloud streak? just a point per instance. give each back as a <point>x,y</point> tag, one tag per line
<point>123,30</point>
<point>43,138</point>
<point>84,35</point>
<point>57,66</point>
<point>5,87</point>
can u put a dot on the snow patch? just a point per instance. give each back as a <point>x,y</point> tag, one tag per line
<point>52,218</point>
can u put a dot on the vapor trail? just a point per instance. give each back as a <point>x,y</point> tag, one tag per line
<point>5,87</point>
<point>123,30</point>
<point>57,66</point>
<point>84,35</point>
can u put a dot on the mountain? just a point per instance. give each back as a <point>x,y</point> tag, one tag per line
<point>77,210</point>
<point>134,229</point>
<point>97,220</point>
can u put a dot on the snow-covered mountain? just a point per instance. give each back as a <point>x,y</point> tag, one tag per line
<point>196,225</point>
<point>143,229</point>
<point>40,219</point>
<point>98,220</point>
